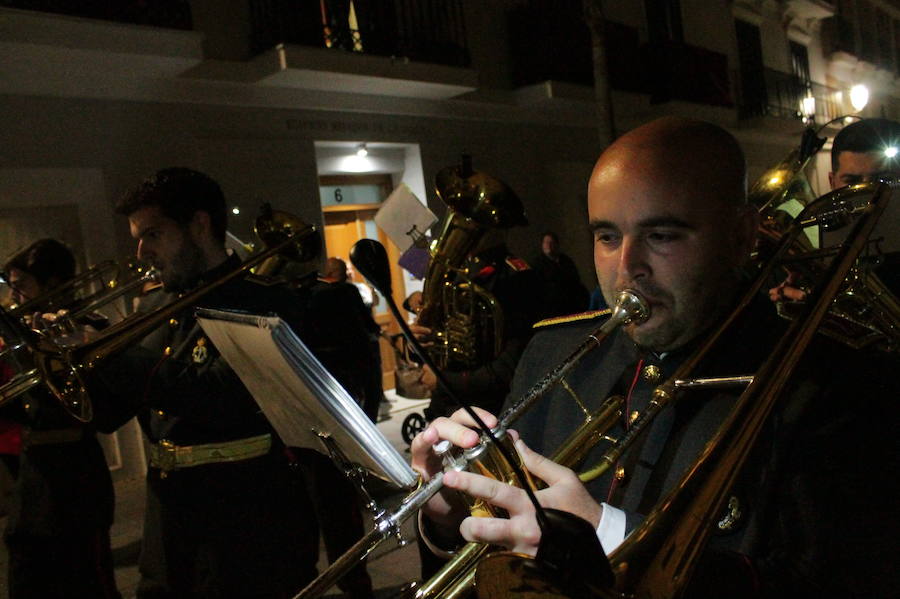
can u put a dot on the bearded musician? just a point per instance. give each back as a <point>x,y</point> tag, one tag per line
<point>813,510</point>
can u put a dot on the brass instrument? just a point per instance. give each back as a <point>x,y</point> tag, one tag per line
<point>74,299</point>
<point>67,322</point>
<point>64,368</point>
<point>86,285</point>
<point>658,558</point>
<point>864,313</point>
<point>466,319</point>
<point>629,308</point>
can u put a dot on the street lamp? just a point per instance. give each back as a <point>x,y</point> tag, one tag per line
<point>859,96</point>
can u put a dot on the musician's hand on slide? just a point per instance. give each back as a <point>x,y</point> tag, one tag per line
<point>520,532</point>
<point>67,333</point>
<point>788,290</point>
<point>445,507</point>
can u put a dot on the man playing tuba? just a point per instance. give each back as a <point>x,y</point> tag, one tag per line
<point>668,211</point>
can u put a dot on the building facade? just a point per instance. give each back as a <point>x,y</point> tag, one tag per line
<point>273,98</point>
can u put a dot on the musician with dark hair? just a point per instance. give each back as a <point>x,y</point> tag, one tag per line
<point>863,151</point>
<point>803,516</point>
<point>37,269</point>
<point>225,516</point>
<point>61,511</point>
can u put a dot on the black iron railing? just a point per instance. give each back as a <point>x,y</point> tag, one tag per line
<point>430,31</point>
<point>784,95</point>
<point>549,39</point>
<point>171,14</point>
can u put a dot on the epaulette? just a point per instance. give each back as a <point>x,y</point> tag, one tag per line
<point>547,322</point>
<point>265,280</point>
<point>517,264</point>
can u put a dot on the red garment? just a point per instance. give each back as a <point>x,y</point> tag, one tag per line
<point>10,431</point>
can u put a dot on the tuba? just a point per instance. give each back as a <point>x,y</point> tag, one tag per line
<point>466,320</point>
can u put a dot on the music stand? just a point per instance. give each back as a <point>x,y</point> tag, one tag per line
<point>300,398</point>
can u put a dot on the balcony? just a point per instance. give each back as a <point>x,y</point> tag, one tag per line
<point>169,14</point>
<point>430,32</point>
<point>786,96</point>
<point>869,38</point>
<point>559,49</point>
<point>398,48</point>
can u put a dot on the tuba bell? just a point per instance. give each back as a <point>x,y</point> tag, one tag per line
<point>466,320</point>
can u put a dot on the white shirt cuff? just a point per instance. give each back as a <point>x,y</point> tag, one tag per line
<point>611,530</point>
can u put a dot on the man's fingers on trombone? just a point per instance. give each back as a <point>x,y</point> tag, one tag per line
<point>463,417</point>
<point>512,499</point>
<point>564,489</point>
<point>522,534</point>
<point>544,468</point>
<point>424,459</point>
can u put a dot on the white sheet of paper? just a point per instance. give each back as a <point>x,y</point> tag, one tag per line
<point>299,397</point>
<point>399,213</point>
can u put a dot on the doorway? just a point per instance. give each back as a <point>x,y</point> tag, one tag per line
<point>349,203</point>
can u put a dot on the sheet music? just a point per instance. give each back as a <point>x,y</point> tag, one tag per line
<point>297,394</point>
<point>404,218</point>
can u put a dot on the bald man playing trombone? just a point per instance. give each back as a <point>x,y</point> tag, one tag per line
<point>669,217</point>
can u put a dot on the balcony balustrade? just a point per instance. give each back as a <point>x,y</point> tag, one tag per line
<point>430,31</point>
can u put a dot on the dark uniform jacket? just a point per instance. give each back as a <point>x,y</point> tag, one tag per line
<point>339,329</point>
<point>812,513</point>
<point>61,508</point>
<point>519,292</point>
<point>221,529</point>
<point>563,289</point>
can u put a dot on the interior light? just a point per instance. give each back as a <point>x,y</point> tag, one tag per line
<point>235,210</point>
<point>890,151</point>
<point>775,180</point>
<point>361,150</point>
<point>859,96</point>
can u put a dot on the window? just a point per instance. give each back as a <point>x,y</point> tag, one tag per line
<point>752,77</point>
<point>664,20</point>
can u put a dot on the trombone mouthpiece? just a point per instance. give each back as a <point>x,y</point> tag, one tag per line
<point>630,307</point>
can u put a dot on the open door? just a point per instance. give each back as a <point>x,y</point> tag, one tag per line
<point>349,204</point>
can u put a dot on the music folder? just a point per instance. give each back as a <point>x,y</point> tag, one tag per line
<point>301,399</point>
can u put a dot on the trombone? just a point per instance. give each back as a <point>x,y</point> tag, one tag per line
<point>658,559</point>
<point>63,369</point>
<point>102,276</point>
<point>629,308</point>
